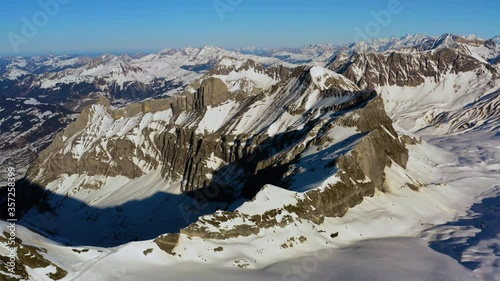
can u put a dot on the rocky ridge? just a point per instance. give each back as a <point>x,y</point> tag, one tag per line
<point>309,123</point>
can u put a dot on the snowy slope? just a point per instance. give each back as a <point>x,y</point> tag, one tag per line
<point>401,212</point>
<point>354,262</point>
<point>114,177</point>
<point>433,102</point>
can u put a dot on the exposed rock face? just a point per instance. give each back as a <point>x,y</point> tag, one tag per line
<point>360,173</point>
<point>182,150</point>
<point>370,70</point>
<point>249,156</point>
<point>367,160</point>
<point>216,139</point>
<point>70,83</point>
<point>460,74</point>
<point>168,242</point>
<point>228,65</point>
<point>211,92</point>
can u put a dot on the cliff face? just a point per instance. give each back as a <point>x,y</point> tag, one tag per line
<point>447,83</point>
<point>371,70</point>
<point>178,136</point>
<point>358,174</point>
<point>361,171</point>
<point>85,147</point>
<point>310,131</point>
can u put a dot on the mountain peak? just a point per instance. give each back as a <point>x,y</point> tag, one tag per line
<point>325,79</point>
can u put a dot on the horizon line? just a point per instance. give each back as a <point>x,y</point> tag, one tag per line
<point>157,50</point>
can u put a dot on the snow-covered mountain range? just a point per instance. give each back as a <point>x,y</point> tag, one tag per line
<point>75,81</point>
<point>240,160</point>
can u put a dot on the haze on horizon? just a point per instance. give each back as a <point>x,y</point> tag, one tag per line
<point>78,26</point>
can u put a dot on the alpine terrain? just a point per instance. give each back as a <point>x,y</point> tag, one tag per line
<point>323,162</point>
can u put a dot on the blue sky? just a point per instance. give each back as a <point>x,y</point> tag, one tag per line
<point>94,26</point>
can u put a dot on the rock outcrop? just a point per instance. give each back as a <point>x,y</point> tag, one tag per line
<point>214,139</point>
<point>360,172</point>
<point>371,70</point>
<point>53,163</point>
